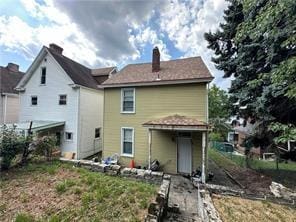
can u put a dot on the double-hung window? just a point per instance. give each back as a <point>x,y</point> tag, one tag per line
<point>63,100</point>
<point>34,100</point>
<point>128,100</point>
<point>127,141</point>
<point>43,76</point>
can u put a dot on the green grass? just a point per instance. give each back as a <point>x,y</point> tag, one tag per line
<point>101,197</point>
<point>285,175</point>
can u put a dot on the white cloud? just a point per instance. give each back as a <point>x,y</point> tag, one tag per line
<point>185,24</point>
<point>147,35</point>
<point>19,37</point>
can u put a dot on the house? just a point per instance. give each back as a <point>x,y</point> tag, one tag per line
<point>61,97</point>
<point>9,99</point>
<point>158,110</point>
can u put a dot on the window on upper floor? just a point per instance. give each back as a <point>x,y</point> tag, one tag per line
<point>43,76</point>
<point>98,133</point>
<point>34,100</point>
<point>128,100</point>
<point>62,99</point>
<point>127,141</point>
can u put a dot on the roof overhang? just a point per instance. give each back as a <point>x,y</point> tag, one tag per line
<point>178,128</point>
<point>37,125</point>
<point>159,82</point>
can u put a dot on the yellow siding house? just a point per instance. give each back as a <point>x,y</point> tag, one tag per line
<point>158,111</point>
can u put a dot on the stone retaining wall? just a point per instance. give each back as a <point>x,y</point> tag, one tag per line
<point>116,170</point>
<point>157,210</point>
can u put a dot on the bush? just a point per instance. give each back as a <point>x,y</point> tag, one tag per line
<point>44,146</point>
<point>11,144</point>
<point>216,136</point>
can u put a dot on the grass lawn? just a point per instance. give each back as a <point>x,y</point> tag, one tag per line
<point>285,175</point>
<point>243,210</point>
<point>58,192</point>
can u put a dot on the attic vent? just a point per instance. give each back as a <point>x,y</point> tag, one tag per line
<point>56,48</point>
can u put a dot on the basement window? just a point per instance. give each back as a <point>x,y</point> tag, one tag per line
<point>63,100</point>
<point>68,136</point>
<point>98,133</point>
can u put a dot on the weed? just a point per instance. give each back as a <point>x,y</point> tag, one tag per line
<point>61,187</point>
<point>23,217</point>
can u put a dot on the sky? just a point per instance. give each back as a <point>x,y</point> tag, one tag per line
<point>109,33</point>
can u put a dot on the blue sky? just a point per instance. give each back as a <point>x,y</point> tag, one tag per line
<point>105,33</point>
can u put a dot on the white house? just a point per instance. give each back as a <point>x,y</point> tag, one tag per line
<point>9,99</point>
<point>62,97</point>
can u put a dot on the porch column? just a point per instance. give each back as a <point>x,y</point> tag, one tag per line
<point>203,168</point>
<point>149,145</point>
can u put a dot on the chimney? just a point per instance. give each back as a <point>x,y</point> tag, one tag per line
<point>56,48</point>
<point>155,60</point>
<point>12,67</point>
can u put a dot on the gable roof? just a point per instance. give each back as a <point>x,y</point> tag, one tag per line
<point>79,74</point>
<point>181,70</point>
<point>9,80</point>
<point>103,71</point>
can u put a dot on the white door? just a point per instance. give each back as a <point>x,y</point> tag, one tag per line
<point>184,155</point>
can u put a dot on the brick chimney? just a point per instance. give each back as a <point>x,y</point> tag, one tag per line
<point>155,60</point>
<point>56,48</point>
<point>12,67</point>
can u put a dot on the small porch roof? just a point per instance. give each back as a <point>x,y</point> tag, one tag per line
<point>37,125</point>
<point>178,122</point>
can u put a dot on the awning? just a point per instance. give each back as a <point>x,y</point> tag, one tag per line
<point>37,125</point>
<point>177,122</point>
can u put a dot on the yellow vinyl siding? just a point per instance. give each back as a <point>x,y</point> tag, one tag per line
<point>151,103</point>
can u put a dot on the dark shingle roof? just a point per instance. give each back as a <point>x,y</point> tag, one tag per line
<point>9,80</point>
<point>80,74</point>
<point>102,71</point>
<point>174,70</point>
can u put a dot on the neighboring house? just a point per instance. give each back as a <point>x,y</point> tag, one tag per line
<point>9,99</point>
<point>62,97</point>
<point>158,111</point>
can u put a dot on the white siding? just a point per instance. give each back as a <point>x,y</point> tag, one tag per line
<point>48,108</point>
<point>90,118</point>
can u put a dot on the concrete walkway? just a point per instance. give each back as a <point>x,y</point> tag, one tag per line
<point>184,194</point>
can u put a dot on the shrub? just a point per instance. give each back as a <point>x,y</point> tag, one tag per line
<point>45,145</point>
<point>11,144</point>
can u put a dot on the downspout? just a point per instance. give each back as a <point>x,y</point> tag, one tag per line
<point>149,144</point>
<point>5,109</point>
<point>203,168</point>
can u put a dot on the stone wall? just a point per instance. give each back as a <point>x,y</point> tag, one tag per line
<point>157,210</point>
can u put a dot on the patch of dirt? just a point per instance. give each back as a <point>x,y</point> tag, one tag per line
<point>243,210</point>
<point>36,194</point>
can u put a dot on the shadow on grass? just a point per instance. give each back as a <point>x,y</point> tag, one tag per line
<point>285,177</point>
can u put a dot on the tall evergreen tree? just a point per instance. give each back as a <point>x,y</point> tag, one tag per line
<point>263,59</point>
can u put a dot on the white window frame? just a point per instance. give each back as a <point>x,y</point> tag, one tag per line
<point>68,139</point>
<point>43,84</point>
<point>31,100</point>
<point>60,99</point>
<point>133,142</point>
<point>121,101</point>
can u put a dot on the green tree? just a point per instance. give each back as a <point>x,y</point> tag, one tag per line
<point>262,60</point>
<point>219,112</point>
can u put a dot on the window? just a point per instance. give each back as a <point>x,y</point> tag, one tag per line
<point>97,132</point>
<point>68,136</point>
<point>128,100</point>
<point>127,141</point>
<point>34,100</point>
<point>43,76</point>
<point>63,100</point>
